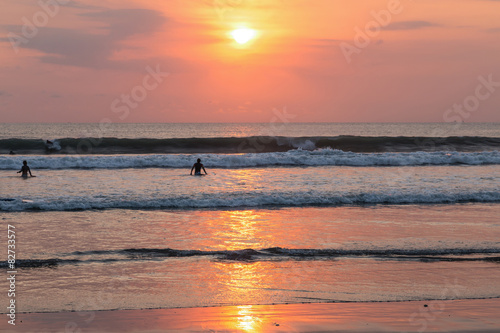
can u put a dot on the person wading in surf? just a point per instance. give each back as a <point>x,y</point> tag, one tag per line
<point>25,169</point>
<point>197,168</point>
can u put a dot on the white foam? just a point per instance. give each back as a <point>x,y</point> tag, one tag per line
<point>246,199</point>
<point>299,157</point>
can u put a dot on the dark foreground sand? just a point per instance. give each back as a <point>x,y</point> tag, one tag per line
<point>437,316</point>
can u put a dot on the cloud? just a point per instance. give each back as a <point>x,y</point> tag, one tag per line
<point>127,22</point>
<point>4,93</point>
<point>409,25</point>
<point>79,4</point>
<point>72,47</point>
<point>326,42</point>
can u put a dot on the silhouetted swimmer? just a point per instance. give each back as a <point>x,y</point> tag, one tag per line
<point>197,168</point>
<point>25,169</point>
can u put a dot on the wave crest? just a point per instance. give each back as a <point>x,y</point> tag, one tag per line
<point>253,144</point>
<point>299,157</point>
<point>240,200</point>
<point>276,253</point>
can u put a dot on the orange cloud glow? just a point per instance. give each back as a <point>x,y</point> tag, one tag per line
<point>325,60</point>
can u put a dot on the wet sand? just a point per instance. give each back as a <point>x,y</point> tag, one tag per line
<point>421,316</point>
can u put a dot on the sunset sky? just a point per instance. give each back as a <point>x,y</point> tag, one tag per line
<point>322,60</point>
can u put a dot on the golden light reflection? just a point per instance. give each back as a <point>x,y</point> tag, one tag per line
<point>242,228</point>
<point>241,231</point>
<point>239,279</point>
<point>246,320</point>
<point>240,179</point>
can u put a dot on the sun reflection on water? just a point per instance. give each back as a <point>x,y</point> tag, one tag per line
<point>246,321</point>
<point>241,230</point>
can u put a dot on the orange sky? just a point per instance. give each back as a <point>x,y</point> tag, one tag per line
<point>324,60</point>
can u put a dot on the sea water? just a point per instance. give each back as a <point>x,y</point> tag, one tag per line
<point>309,213</point>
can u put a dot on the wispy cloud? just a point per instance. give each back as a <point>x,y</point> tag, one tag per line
<point>86,49</point>
<point>79,4</point>
<point>409,25</point>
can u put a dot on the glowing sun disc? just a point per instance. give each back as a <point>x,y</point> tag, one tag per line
<point>243,35</point>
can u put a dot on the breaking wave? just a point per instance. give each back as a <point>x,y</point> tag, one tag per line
<point>246,199</point>
<point>275,253</point>
<point>254,144</point>
<point>297,157</point>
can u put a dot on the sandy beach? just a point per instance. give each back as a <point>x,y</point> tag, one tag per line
<point>422,316</point>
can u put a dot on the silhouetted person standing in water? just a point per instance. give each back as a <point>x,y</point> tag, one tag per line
<point>197,168</point>
<point>25,169</point>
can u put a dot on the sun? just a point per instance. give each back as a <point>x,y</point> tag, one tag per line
<point>243,35</point>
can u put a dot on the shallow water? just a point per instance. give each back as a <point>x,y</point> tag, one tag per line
<point>132,259</point>
<point>133,231</point>
<point>250,187</point>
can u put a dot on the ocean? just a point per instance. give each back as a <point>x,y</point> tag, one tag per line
<point>288,213</point>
